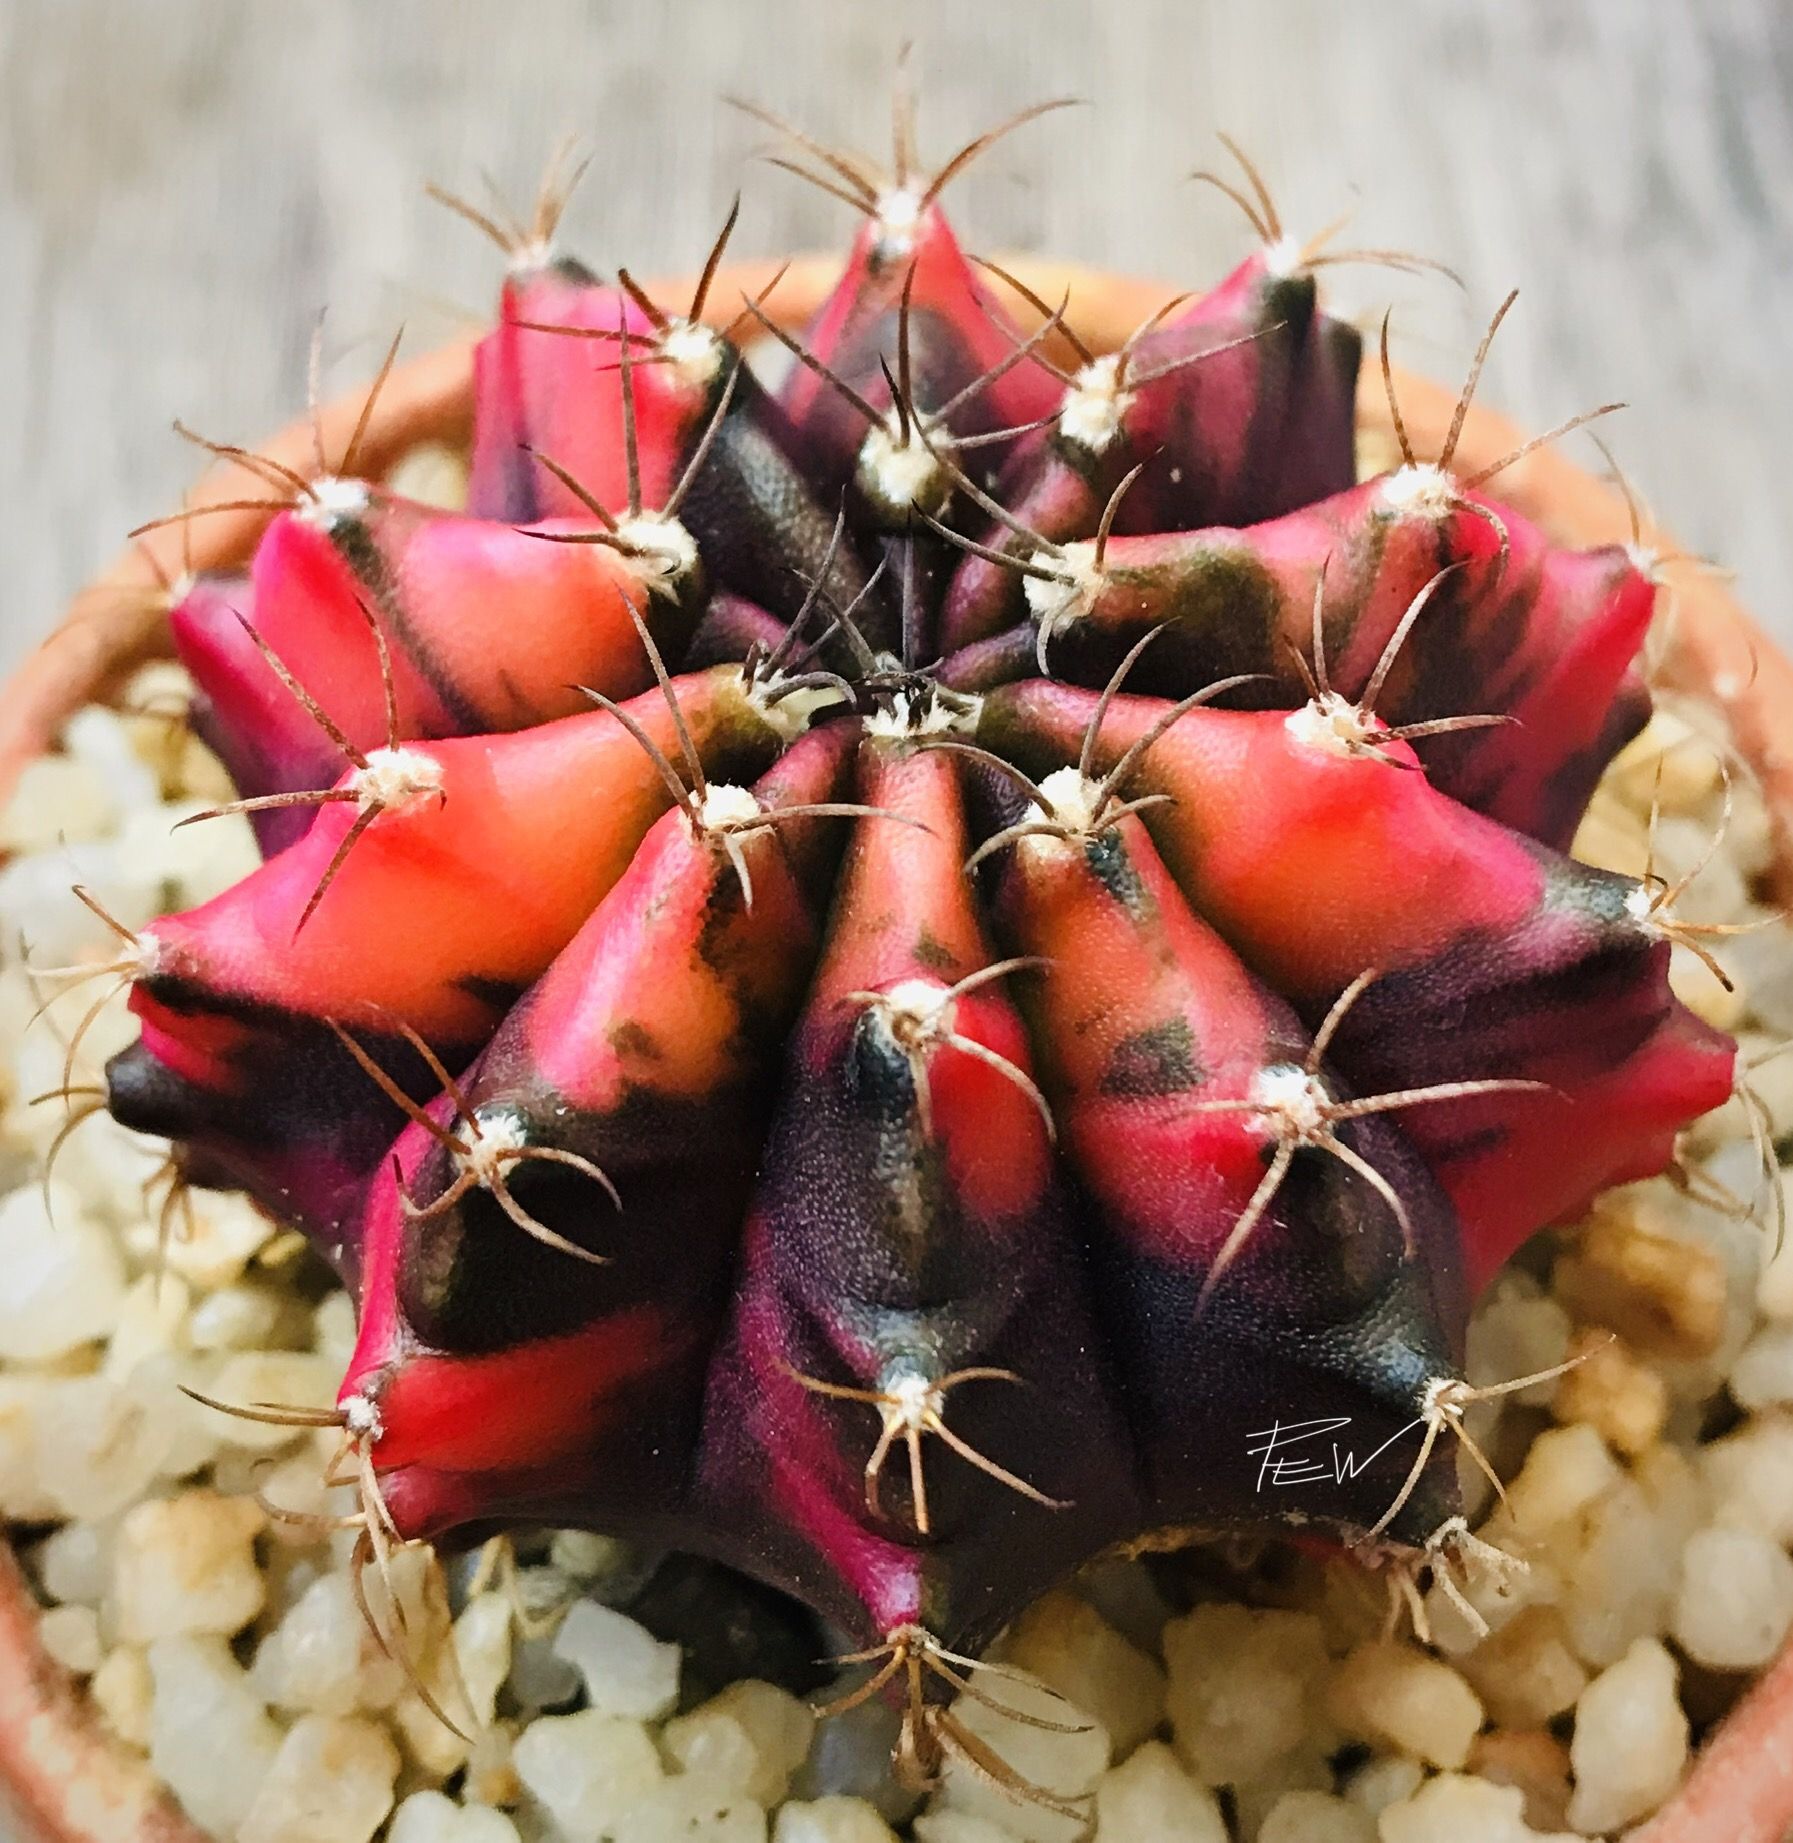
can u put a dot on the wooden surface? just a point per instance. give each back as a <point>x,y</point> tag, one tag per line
<point>184,185</point>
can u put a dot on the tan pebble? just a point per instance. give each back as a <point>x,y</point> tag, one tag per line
<point>1613,837</point>
<point>1630,1744</point>
<point>1395,1694</point>
<point>1071,1648</point>
<point>1703,992</point>
<point>331,1782</point>
<point>491,1774</point>
<point>432,473</point>
<point>1622,1398</point>
<point>1533,1760</point>
<point>123,1692</point>
<point>187,1564</point>
<point>1526,1673</point>
<point>1664,1296</point>
<point>1150,1795</point>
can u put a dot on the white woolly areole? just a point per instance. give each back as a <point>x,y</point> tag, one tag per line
<point>723,805</point>
<point>1334,724</point>
<point>915,714</point>
<point>1420,487</point>
<point>331,500</point>
<point>916,1001</point>
<point>898,219</point>
<point>1072,594</point>
<point>693,350</point>
<point>913,1401</point>
<point>1640,905</point>
<point>1646,559</point>
<point>898,473</point>
<point>393,776</point>
<point>1093,407</point>
<point>1070,801</point>
<point>789,716</point>
<point>1287,1097</point>
<point>667,551</point>
<point>531,256</point>
<point>360,1417</point>
<point>1283,258</point>
<point>502,1131</point>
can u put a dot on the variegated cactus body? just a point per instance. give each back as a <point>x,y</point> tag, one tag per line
<point>871,979</point>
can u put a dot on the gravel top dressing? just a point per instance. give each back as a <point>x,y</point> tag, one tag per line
<point>1613,1602</point>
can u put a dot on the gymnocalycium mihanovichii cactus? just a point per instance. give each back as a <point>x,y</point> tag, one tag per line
<point>870,978</point>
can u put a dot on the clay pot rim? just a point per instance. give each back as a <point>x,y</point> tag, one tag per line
<point>67,1781</point>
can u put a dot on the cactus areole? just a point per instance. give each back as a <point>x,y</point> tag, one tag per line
<point>907,979</point>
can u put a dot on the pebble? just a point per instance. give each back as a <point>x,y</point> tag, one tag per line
<point>1463,1810</point>
<point>1527,1673</point>
<point>57,799</point>
<point>331,1782</point>
<point>1067,1766</point>
<point>627,1670</point>
<point>749,1739</point>
<point>1397,1695</point>
<point>124,1693</point>
<point>1735,1600</point>
<point>832,1820</point>
<point>74,1563</point>
<point>186,1564</point>
<point>1150,1795</point>
<point>1243,1686</point>
<point>65,1282</point>
<point>1315,1817</point>
<point>1630,1743</point>
<point>429,1817</point>
<point>210,1738</point>
<point>587,1770</point>
<point>691,1810</point>
<point>71,1635</point>
<point>1071,1648</point>
<point>1749,1474</point>
<point>291,1378</point>
<point>939,1826</point>
<point>1665,1296</point>
<point>98,1445</point>
<point>1762,1376</point>
<point>321,1656</point>
<point>1622,1398</point>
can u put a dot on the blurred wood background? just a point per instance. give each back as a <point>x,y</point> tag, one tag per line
<point>184,185</point>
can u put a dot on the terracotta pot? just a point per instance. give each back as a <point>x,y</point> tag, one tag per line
<point>66,1781</point>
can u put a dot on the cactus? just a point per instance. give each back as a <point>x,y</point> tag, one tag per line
<point>873,979</point>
